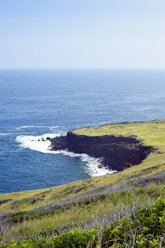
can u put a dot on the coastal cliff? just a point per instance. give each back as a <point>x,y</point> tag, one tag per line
<point>116,153</point>
<point>50,214</point>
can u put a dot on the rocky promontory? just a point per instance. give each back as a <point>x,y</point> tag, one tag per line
<point>115,152</point>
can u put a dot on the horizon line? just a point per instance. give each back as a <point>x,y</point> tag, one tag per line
<point>82,68</point>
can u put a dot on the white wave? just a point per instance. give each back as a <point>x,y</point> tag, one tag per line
<point>3,134</point>
<point>41,144</point>
<point>53,127</point>
<point>36,143</point>
<point>49,127</point>
<point>24,127</point>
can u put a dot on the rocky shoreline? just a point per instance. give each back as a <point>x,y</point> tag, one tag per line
<point>116,153</point>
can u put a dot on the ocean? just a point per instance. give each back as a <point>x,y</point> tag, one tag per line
<point>35,104</point>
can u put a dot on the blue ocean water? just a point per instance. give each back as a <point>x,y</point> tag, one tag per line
<point>40,103</point>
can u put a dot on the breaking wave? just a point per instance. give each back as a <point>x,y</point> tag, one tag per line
<point>42,144</point>
<point>49,127</point>
<point>4,134</point>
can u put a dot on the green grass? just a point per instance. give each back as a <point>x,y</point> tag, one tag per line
<point>144,228</point>
<point>150,132</point>
<point>97,210</point>
<point>91,202</point>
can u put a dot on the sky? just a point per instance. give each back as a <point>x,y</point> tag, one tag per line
<point>82,34</point>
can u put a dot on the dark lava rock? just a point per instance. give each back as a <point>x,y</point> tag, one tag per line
<point>117,153</point>
<point>59,143</point>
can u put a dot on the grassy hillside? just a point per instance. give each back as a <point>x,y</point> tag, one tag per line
<point>151,133</point>
<point>93,202</point>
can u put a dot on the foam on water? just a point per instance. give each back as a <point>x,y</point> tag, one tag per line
<point>36,143</point>
<point>49,127</point>
<point>3,134</point>
<point>41,144</point>
<point>24,127</point>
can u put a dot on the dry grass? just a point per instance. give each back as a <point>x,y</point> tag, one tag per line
<point>93,201</point>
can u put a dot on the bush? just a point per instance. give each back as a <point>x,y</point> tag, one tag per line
<point>145,229</point>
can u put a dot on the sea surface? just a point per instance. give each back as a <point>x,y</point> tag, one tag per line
<point>35,104</point>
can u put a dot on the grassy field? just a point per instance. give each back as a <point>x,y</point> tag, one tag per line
<point>92,202</point>
<point>150,132</point>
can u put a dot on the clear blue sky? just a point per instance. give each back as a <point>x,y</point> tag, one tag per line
<point>82,33</point>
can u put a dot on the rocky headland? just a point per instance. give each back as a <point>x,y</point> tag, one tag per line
<point>115,152</point>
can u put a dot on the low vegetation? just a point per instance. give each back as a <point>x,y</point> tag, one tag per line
<point>118,210</point>
<point>144,228</point>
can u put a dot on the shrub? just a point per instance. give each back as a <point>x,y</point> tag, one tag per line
<point>145,229</point>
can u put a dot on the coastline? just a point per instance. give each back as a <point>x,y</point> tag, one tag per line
<point>41,143</point>
<point>114,152</point>
<point>138,185</point>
